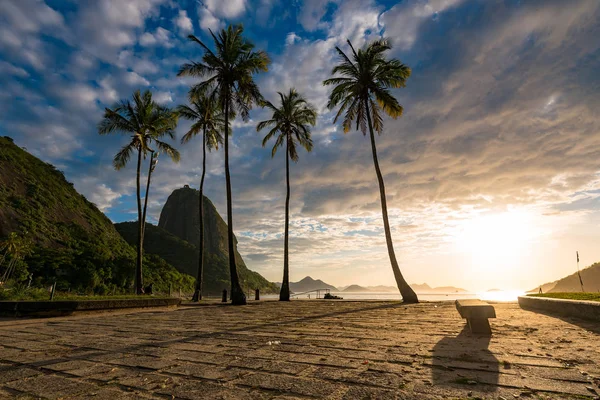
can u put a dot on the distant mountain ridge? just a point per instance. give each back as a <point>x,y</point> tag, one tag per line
<point>590,277</point>
<point>309,283</point>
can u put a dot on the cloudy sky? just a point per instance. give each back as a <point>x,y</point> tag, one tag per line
<point>492,174</point>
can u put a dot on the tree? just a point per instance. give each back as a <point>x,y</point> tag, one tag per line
<point>227,73</point>
<point>147,122</point>
<point>290,125</point>
<point>208,119</point>
<point>15,248</point>
<point>362,91</point>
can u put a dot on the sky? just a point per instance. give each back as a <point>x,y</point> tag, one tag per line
<point>492,173</point>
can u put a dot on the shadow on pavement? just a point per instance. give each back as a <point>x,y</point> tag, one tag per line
<point>465,359</point>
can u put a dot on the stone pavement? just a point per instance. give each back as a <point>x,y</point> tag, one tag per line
<point>299,350</point>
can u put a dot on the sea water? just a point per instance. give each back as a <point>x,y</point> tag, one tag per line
<point>499,295</point>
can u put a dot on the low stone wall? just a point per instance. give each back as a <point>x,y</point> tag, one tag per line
<point>59,307</point>
<point>589,310</point>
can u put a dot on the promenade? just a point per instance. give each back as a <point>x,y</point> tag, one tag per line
<point>299,350</point>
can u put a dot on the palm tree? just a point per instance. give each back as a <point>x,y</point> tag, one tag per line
<point>290,123</point>
<point>362,90</point>
<point>228,77</point>
<point>147,123</point>
<point>16,248</point>
<point>209,120</point>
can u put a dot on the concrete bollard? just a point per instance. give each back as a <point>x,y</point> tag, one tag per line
<point>224,298</point>
<point>256,294</point>
<point>53,290</point>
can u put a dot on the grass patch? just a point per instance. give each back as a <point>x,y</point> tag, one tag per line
<point>570,296</point>
<point>36,294</point>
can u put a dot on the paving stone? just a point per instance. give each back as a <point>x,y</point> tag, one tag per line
<point>50,386</point>
<point>289,384</point>
<point>319,349</point>
<point>11,373</point>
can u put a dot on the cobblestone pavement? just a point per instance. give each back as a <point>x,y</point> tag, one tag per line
<point>299,350</point>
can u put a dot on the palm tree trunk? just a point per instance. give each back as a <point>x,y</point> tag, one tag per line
<point>150,170</point>
<point>138,267</point>
<point>408,295</point>
<point>237,294</point>
<point>284,294</point>
<point>198,290</point>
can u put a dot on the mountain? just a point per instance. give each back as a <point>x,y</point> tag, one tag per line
<point>420,288</point>
<point>382,288</point>
<point>590,277</point>
<point>176,239</point>
<point>308,284</point>
<point>71,241</point>
<point>425,288</point>
<point>355,289</point>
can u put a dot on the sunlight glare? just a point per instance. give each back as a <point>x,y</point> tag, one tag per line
<point>496,239</point>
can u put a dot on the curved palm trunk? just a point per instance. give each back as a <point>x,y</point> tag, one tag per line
<point>198,290</point>
<point>237,294</point>
<point>150,170</point>
<point>138,267</point>
<point>284,294</point>
<point>408,295</point>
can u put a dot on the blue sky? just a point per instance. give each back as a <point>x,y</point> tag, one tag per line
<point>492,173</point>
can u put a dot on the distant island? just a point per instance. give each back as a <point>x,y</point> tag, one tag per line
<point>309,284</point>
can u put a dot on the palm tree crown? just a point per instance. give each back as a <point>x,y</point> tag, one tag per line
<point>291,120</point>
<point>146,121</point>
<point>363,86</point>
<point>228,70</point>
<point>208,117</point>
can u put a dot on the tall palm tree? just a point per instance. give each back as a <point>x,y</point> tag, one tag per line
<point>290,125</point>
<point>362,90</point>
<point>227,73</point>
<point>147,122</point>
<point>209,121</point>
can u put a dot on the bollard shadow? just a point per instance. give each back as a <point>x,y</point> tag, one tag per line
<point>465,360</point>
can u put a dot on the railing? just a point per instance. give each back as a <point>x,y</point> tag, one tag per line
<point>318,291</point>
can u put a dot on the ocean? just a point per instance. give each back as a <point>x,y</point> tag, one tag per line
<point>500,295</point>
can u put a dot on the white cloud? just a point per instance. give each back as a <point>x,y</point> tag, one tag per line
<point>311,13</point>
<point>106,26</point>
<point>162,97</point>
<point>183,23</point>
<point>7,68</point>
<point>160,37</point>
<point>208,20</point>
<point>226,9</point>
<point>31,16</point>
<point>133,79</point>
<point>291,38</point>
<point>404,19</point>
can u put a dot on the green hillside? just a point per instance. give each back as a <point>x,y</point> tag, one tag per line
<point>71,241</point>
<point>590,277</point>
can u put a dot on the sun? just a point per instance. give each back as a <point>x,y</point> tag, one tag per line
<point>496,239</point>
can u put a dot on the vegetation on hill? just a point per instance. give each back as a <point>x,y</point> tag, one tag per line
<point>589,275</point>
<point>70,241</point>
